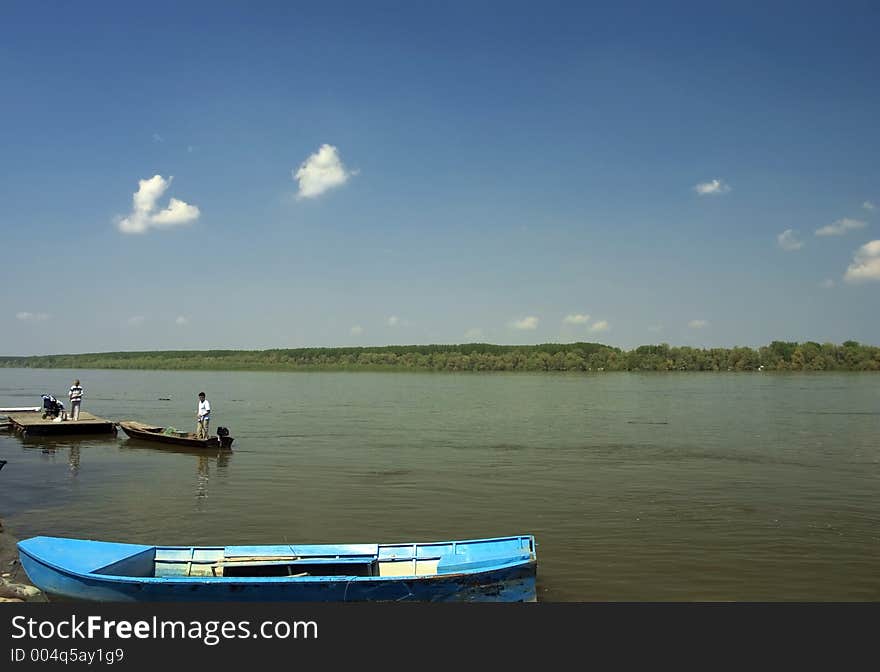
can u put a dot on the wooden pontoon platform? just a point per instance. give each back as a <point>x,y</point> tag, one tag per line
<point>32,422</point>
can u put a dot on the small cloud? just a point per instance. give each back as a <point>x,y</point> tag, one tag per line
<point>698,324</point>
<point>393,321</point>
<point>189,149</point>
<point>788,241</point>
<point>181,320</point>
<point>321,172</point>
<point>840,227</point>
<point>526,323</point>
<point>135,321</point>
<point>655,328</point>
<point>576,318</point>
<point>158,138</point>
<point>866,264</point>
<point>827,283</point>
<point>867,205</point>
<point>712,187</point>
<point>356,330</point>
<point>144,215</point>
<point>474,333</point>
<point>601,325</point>
<point>31,317</point>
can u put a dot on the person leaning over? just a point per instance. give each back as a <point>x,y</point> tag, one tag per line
<point>75,395</point>
<point>203,414</point>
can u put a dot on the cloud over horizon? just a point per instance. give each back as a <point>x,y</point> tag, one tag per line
<point>321,172</point>
<point>600,326</point>
<point>576,318</point>
<point>698,324</point>
<point>144,215</point>
<point>865,265</point>
<point>841,226</point>
<point>25,316</point>
<point>711,188</point>
<point>788,241</point>
<point>526,323</point>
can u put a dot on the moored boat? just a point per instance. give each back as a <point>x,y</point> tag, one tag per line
<point>139,430</point>
<point>501,569</point>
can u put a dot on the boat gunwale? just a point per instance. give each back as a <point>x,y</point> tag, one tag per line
<point>525,559</point>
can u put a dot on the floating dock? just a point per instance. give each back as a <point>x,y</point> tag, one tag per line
<point>32,422</point>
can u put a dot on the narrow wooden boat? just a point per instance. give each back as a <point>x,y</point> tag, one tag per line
<point>480,570</point>
<point>138,430</point>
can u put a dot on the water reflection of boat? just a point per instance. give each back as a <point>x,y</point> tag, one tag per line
<point>479,570</point>
<point>167,435</point>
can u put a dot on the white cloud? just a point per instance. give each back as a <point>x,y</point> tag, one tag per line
<point>788,241</point>
<point>323,170</point>
<point>189,149</point>
<point>866,264</point>
<point>526,323</point>
<point>601,325</point>
<point>476,332</point>
<point>144,217</point>
<point>712,187</point>
<point>867,205</point>
<point>357,330</point>
<point>181,320</point>
<point>840,227</point>
<point>393,321</point>
<point>698,324</point>
<point>31,317</point>
<point>135,321</point>
<point>655,327</point>
<point>158,138</point>
<point>576,318</point>
<point>827,283</point>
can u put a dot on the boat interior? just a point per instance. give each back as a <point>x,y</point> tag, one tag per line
<point>359,560</point>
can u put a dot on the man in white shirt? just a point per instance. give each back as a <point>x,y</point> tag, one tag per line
<point>203,415</point>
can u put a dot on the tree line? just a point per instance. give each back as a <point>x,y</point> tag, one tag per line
<point>778,356</point>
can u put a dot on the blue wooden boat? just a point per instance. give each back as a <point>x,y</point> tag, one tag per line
<point>479,570</point>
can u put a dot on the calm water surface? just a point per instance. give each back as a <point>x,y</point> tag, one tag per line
<point>637,487</point>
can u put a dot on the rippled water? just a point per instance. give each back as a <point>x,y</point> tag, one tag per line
<point>637,487</point>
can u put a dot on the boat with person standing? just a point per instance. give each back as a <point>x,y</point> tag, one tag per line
<point>170,435</point>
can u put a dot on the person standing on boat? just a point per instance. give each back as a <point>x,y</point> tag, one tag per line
<point>76,396</point>
<point>203,414</point>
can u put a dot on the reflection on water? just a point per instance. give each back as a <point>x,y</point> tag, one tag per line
<point>73,460</point>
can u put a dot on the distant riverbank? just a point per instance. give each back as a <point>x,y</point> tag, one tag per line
<point>587,357</point>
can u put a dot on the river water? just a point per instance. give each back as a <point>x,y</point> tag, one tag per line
<point>684,486</point>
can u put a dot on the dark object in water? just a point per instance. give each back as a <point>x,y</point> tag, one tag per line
<point>164,398</point>
<point>644,422</point>
<point>2,464</point>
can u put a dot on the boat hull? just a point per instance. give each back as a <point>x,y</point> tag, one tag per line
<point>510,579</point>
<point>224,442</point>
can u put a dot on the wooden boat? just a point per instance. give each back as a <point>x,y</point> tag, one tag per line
<point>138,430</point>
<point>480,570</point>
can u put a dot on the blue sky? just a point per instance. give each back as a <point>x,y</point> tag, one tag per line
<point>375,173</point>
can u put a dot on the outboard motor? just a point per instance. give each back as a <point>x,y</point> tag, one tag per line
<point>225,439</point>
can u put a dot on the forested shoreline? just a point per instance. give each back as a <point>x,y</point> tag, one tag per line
<point>778,356</point>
